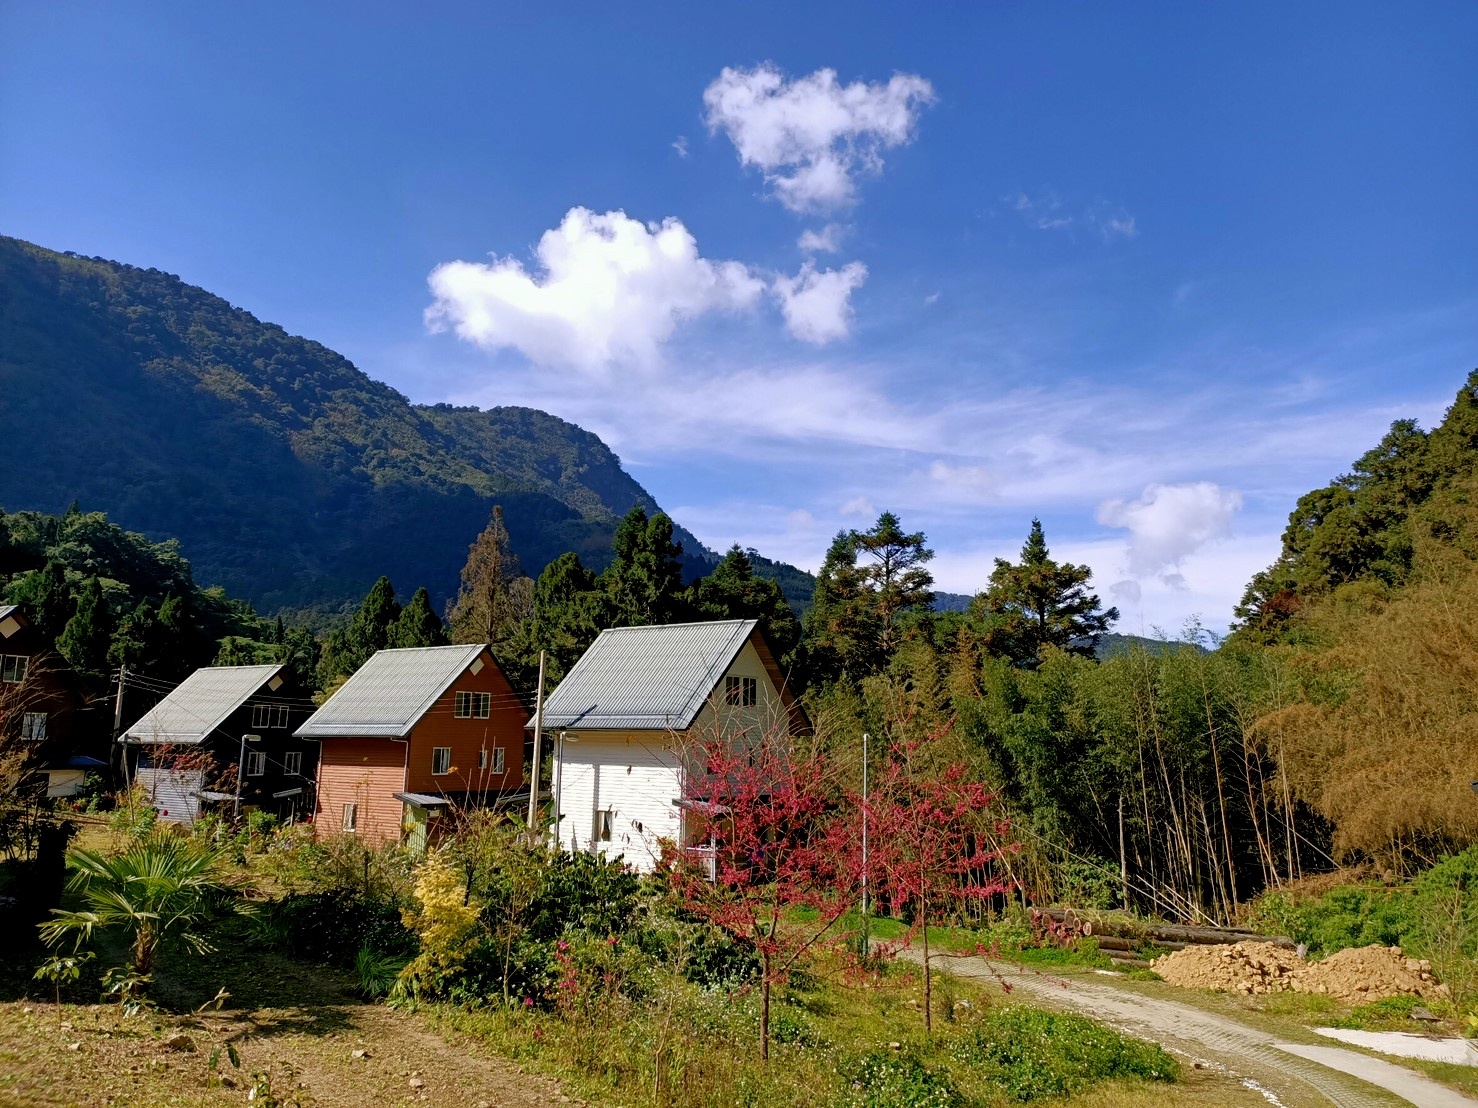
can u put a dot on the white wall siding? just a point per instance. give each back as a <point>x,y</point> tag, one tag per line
<point>173,793</point>
<point>632,775</point>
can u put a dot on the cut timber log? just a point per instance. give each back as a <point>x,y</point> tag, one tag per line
<point>1117,942</point>
<point>1125,960</point>
<point>1160,934</point>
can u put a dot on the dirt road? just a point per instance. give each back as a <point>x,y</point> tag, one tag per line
<point>1292,1074</point>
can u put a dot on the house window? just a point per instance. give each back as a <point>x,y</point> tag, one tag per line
<point>268,715</point>
<point>351,818</point>
<point>490,759</point>
<point>292,762</point>
<point>441,760</point>
<point>256,763</point>
<point>33,726</point>
<point>742,692</point>
<point>12,668</point>
<point>474,705</point>
<point>604,818</point>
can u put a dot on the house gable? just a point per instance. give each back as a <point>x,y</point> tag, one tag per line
<point>471,740</point>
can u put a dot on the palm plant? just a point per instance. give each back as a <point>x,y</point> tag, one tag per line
<point>161,889</point>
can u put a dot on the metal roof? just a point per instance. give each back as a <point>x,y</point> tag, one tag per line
<point>654,678</point>
<point>390,693</point>
<point>200,704</point>
<point>8,609</point>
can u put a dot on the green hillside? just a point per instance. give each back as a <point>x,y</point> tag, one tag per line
<point>289,476</point>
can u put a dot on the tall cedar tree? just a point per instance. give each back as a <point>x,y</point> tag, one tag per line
<point>569,611</point>
<point>1039,603</point>
<point>369,631</point>
<point>84,641</point>
<point>644,581</point>
<point>493,599</point>
<point>732,591</point>
<point>418,624</point>
<point>47,599</point>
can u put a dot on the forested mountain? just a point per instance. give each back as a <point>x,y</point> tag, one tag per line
<point>288,476</point>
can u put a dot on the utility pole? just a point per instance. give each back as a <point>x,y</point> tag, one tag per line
<point>538,735</point>
<point>865,938</point>
<point>118,723</point>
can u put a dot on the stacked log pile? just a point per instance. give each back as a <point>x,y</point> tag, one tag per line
<point>1121,937</point>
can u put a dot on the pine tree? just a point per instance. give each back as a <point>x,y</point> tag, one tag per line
<point>369,631</point>
<point>893,568</point>
<point>47,599</point>
<point>841,631</point>
<point>84,641</point>
<point>1039,603</point>
<point>644,581</point>
<point>494,598</point>
<point>732,591</point>
<point>418,624</point>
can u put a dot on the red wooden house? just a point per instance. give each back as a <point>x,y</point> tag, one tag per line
<point>42,705</point>
<point>413,732</point>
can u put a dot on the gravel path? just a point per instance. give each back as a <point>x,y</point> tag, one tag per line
<point>1286,1073</point>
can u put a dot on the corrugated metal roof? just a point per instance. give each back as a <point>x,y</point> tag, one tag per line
<point>7,609</point>
<point>200,704</point>
<point>646,678</point>
<point>389,693</point>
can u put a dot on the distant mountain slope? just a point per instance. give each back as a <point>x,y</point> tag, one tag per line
<point>288,475</point>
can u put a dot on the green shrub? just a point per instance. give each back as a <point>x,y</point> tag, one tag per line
<point>898,1079</point>
<point>333,927</point>
<point>377,972</point>
<point>1033,1054</point>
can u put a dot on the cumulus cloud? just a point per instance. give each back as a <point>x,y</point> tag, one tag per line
<point>606,289</point>
<point>812,136</point>
<point>858,506</point>
<point>828,240</point>
<point>1168,523</point>
<point>817,304</point>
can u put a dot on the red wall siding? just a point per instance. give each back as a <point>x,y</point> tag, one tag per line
<point>366,772</point>
<point>504,728</point>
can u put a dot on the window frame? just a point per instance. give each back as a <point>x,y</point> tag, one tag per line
<point>13,668</point>
<point>436,753</point>
<point>741,691</point>
<point>471,704</point>
<point>268,717</point>
<point>257,758</point>
<point>604,828</point>
<point>292,762</point>
<point>351,818</point>
<point>30,732</point>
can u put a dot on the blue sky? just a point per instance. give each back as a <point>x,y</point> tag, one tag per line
<point>1147,271</point>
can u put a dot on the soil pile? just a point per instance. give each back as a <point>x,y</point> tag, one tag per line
<point>1356,976</point>
<point>1363,974</point>
<point>1245,967</point>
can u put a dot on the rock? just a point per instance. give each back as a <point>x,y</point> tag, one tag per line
<point>416,1083</point>
<point>895,1045</point>
<point>181,1042</point>
<point>1424,1014</point>
<point>74,1046</point>
<point>359,1054</point>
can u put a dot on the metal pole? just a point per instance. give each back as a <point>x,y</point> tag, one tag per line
<point>865,937</point>
<point>538,735</point>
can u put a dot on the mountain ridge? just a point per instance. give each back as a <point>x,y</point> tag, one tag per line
<point>184,416</point>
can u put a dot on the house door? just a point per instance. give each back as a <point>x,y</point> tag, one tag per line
<point>414,824</point>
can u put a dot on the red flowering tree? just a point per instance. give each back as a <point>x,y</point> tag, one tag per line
<point>934,843</point>
<point>769,841</point>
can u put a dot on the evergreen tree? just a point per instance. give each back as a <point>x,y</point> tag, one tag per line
<point>495,596</point>
<point>137,641</point>
<point>644,581</point>
<point>569,610</point>
<point>732,591</point>
<point>418,624</point>
<point>841,628</point>
<point>893,570</point>
<point>46,598</point>
<point>345,651</point>
<point>1039,602</point>
<point>84,641</point>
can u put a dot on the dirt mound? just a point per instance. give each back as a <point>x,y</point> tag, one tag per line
<point>1356,976</point>
<point>1362,974</point>
<point>1245,967</point>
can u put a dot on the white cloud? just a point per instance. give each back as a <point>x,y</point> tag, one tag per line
<point>812,136</point>
<point>606,289</point>
<point>828,240</point>
<point>858,506</point>
<point>1168,523</point>
<point>680,144</point>
<point>817,304</point>
<point>931,299</point>
<point>1048,212</point>
<point>969,482</point>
